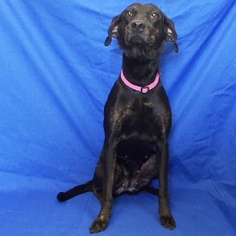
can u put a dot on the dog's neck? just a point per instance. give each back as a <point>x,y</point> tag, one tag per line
<point>140,72</point>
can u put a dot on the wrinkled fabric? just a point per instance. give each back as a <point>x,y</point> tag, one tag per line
<point>55,76</point>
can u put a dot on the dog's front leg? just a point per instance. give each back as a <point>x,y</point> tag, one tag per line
<point>166,218</point>
<point>109,161</point>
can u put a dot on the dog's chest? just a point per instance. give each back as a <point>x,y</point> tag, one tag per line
<point>139,116</point>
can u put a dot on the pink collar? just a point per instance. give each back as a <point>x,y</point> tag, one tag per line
<point>144,89</point>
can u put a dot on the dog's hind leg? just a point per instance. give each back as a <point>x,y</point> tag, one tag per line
<point>64,196</point>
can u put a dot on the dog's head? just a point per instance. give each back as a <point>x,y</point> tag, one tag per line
<point>141,31</point>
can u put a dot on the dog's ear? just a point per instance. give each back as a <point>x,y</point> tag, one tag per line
<point>113,30</point>
<point>171,35</point>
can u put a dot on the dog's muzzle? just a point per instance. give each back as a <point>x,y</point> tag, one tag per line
<point>138,33</point>
<point>137,26</point>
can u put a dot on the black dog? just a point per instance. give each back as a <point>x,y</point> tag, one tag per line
<point>137,116</point>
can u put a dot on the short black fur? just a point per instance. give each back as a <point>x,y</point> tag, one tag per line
<point>136,124</point>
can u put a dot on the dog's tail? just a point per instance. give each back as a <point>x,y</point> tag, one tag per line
<point>64,196</point>
<point>153,191</point>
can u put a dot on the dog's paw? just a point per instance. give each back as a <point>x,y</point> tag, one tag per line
<point>98,225</point>
<point>168,222</point>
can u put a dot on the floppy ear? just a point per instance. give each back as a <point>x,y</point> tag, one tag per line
<point>113,30</point>
<point>171,35</point>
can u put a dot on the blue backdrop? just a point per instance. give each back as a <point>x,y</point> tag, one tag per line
<point>55,75</point>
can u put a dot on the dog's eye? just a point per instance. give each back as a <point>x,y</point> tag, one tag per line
<point>129,14</point>
<point>154,15</point>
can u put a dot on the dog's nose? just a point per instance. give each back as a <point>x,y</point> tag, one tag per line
<point>138,25</point>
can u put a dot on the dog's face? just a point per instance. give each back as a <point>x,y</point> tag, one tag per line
<point>141,31</point>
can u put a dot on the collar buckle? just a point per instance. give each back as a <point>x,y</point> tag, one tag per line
<point>145,89</point>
